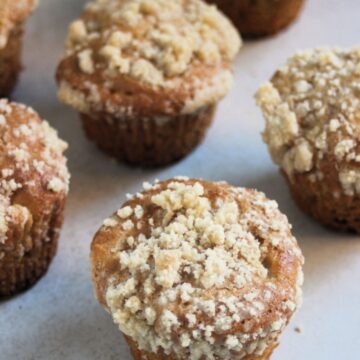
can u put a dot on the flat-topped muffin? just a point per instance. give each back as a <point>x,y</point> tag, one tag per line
<point>312,112</point>
<point>255,18</point>
<point>33,189</point>
<point>191,269</point>
<point>13,14</point>
<point>146,75</point>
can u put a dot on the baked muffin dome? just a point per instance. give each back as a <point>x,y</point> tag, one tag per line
<point>33,188</point>
<point>191,269</point>
<point>146,75</point>
<point>13,14</point>
<point>312,112</point>
<point>260,17</point>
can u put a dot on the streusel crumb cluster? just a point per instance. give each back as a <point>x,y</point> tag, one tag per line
<point>312,110</point>
<point>197,275</point>
<point>30,157</point>
<point>11,13</point>
<point>151,41</point>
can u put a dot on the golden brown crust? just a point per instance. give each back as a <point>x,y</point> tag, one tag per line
<point>273,288</point>
<point>148,141</point>
<point>10,62</point>
<point>147,68</point>
<point>123,95</point>
<point>33,188</point>
<point>260,18</point>
<point>12,14</point>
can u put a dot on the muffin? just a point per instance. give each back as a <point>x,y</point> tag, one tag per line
<point>146,75</point>
<point>256,18</point>
<point>13,14</point>
<point>312,112</point>
<point>191,269</point>
<point>33,188</point>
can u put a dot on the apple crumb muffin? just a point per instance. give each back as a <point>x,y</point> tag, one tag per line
<point>146,75</point>
<point>192,270</point>
<point>13,14</point>
<point>33,189</point>
<point>312,112</point>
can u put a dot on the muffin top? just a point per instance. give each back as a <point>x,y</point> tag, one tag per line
<point>154,56</point>
<point>12,13</point>
<point>312,111</point>
<point>198,269</point>
<point>33,169</point>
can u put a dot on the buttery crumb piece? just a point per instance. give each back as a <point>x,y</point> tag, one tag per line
<point>312,110</point>
<point>201,245</point>
<point>56,185</point>
<point>2,120</point>
<point>128,225</point>
<point>299,329</point>
<point>139,212</point>
<point>125,212</point>
<point>77,31</point>
<point>85,61</point>
<point>110,222</point>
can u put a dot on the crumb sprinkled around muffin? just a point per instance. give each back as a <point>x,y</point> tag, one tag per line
<point>30,157</point>
<point>312,109</point>
<point>194,272</point>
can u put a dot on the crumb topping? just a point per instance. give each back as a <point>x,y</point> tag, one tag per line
<point>195,277</point>
<point>147,58</point>
<point>312,107</point>
<point>30,156</point>
<point>151,40</point>
<point>13,13</point>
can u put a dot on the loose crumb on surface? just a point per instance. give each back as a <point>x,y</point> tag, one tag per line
<point>299,329</point>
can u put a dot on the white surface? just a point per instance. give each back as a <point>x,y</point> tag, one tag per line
<point>60,319</point>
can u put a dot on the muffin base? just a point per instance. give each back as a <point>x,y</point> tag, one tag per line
<point>148,142</point>
<point>260,18</point>
<point>342,213</point>
<point>10,61</point>
<point>18,273</point>
<point>143,355</point>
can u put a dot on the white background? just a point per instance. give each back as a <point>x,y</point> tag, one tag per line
<point>59,318</point>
